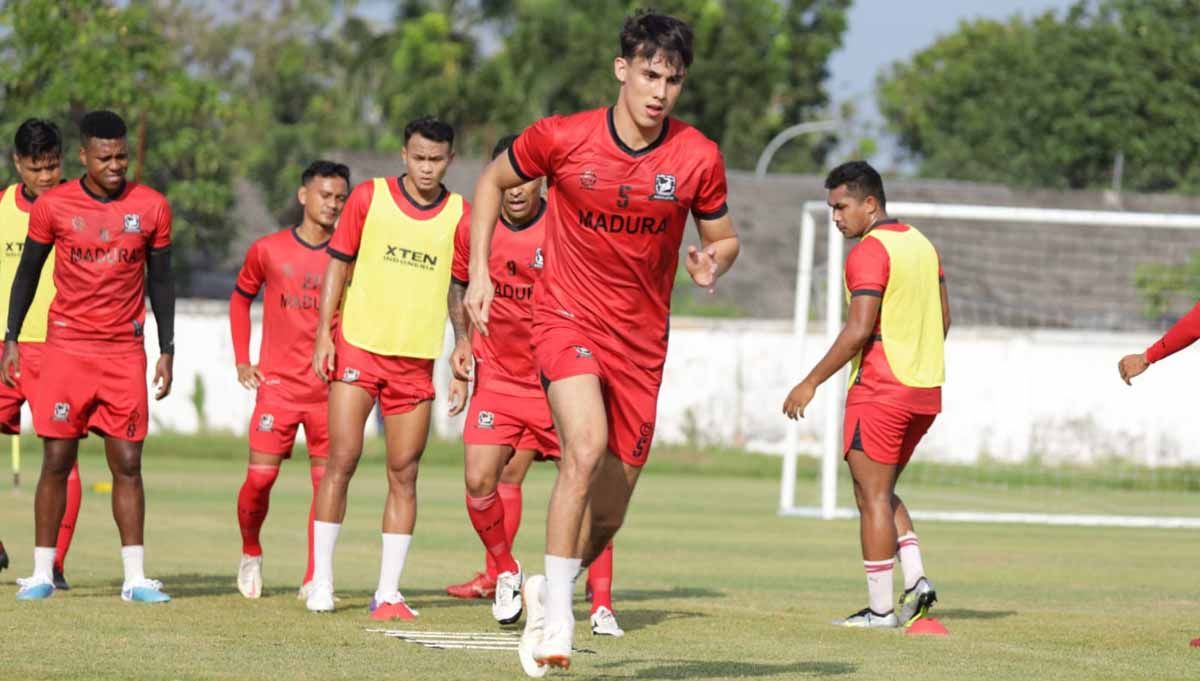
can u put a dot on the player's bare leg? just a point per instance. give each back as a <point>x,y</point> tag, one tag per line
<point>485,463</point>
<point>486,473</point>
<point>874,489</point>
<point>253,501</point>
<point>49,505</point>
<point>349,408</point>
<point>316,473</point>
<point>611,493</point>
<point>129,510</point>
<point>406,436</point>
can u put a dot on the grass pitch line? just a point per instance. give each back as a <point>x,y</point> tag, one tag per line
<point>488,635</point>
<point>455,640</point>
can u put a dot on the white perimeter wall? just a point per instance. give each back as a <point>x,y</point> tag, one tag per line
<point>1010,394</point>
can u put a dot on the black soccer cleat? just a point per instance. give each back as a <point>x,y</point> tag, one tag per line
<point>3,557</point>
<point>60,582</point>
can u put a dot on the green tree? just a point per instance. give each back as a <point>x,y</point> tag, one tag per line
<point>62,58</point>
<point>1050,101</point>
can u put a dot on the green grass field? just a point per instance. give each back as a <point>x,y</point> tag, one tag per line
<point>710,583</point>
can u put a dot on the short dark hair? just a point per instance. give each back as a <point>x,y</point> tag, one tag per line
<point>431,129</point>
<point>861,181</point>
<point>503,145</point>
<point>102,124</point>
<point>323,168</point>
<point>37,138</point>
<point>646,33</point>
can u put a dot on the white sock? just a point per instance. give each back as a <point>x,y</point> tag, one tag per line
<point>325,537</point>
<point>910,559</point>
<point>560,589</point>
<point>134,559</point>
<point>391,565</point>
<point>43,563</point>
<point>879,585</point>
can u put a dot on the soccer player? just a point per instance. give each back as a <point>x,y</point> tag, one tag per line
<point>1181,335</point>
<point>509,419</point>
<point>398,234</point>
<point>625,179</point>
<point>290,263</point>
<point>113,238</point>
<point>37,155</point>
<point>894,333</point>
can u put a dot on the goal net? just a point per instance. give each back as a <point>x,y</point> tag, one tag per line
<point>1036,425</point>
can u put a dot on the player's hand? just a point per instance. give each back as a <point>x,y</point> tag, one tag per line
<point>164,375</point>
<point>1129,366</point>
<point>323,356</point>
<point>702,265</point>
<point>10,364</point>
<point>798,399</point>
<point>249,376</point>
<point>462,362</point>
<point>458,397</point>
<point>477,301</point>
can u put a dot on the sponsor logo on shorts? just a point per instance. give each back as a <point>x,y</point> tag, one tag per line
<point>349,375</point>
<point>132,426</point>
<point>133,223</point>
<point>265,423</point>
<point>582,352</point>
<point>664,187</point>
<point>646,434</point>
<point>62,411</point>
<point>486,420</point>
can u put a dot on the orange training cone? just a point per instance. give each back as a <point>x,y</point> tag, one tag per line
<point>927,626</point>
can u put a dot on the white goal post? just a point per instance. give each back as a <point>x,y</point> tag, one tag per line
<point>833,391</point>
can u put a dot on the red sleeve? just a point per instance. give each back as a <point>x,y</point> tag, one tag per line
<point>460,270</point>
<point>41,222</point>
<point>348,235</point>
<point>867,268</point>
<point>162,227</point>
<point>252,275</point>
<point>709,203</point>
<point>1184,333</point>
<point>532,154</point>
<point>239,327</point>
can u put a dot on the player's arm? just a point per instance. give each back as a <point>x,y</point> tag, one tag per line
<point>331,299</point>
<point>24,287</point>
<point>461,358</point>
<point>161,285</point>
<point>864,311</point>
<point>1185,332</point>
<point>719,247</point>
<point>498,176</point>
<point>945,309</point>
<point>249,282</point>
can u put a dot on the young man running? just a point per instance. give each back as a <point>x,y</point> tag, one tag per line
<point>509,419</point>
<point>37,155</point>
<point>290,264</point>
<point>625,179</point>
<point>894,333</point>
<point>398,234</point>
<point>113,238</point>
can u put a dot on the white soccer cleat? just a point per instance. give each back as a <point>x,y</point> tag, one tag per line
<point>320,597</point>
<point>604,623</point>
<point>506,604</point>
<point>535,622</point>
<point>249,580</point>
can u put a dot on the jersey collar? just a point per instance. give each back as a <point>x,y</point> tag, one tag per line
<point>421,206</point>
<point>101,198</point>
<point>528,223</point>
<point>300,240</point>
<point>612,132</point>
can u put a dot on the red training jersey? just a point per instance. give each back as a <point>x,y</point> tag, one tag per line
<point>1182,334</point>
<point>345,242</point>
<point>867,270</point>
<point>100,245</point>
<point>504,357</point>
<point>291,269</point>
<point>613,246</point>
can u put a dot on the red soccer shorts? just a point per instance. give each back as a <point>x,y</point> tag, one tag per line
<point>562,350</point>
<point>11,399</point>
<point>886,434</point>
<point>517,422</point>
<point>103,393</point>
<point>273,428</point>
<point>399,383</point>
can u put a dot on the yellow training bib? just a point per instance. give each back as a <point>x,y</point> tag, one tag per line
<point>14,227</point>
<point>396,302</point>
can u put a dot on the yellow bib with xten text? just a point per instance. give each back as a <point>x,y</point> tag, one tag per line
<point>395,303</point>
<point>14,227</point>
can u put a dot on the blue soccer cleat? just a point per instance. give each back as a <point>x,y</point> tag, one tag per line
<point>144,591</point>
<point>33,589</point>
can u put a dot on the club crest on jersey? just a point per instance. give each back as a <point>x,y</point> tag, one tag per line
<point>582,352</point>
<point>664,187</point>
<point>349,375</point>
<point>486,420</point>
<point>265,423</point>
<point>587,180</point>
<point>133,223</point>
<point>538,261</point>
<point>62,411</point>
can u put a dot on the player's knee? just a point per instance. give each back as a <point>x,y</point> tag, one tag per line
<point>480,483</point>
<point>126,467</point>
<point>402,477</point>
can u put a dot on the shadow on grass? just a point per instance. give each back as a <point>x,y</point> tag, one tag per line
<point>634,595</point>
<point>633,619</point>
<point>719,669</point>
<point>964,614</point>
